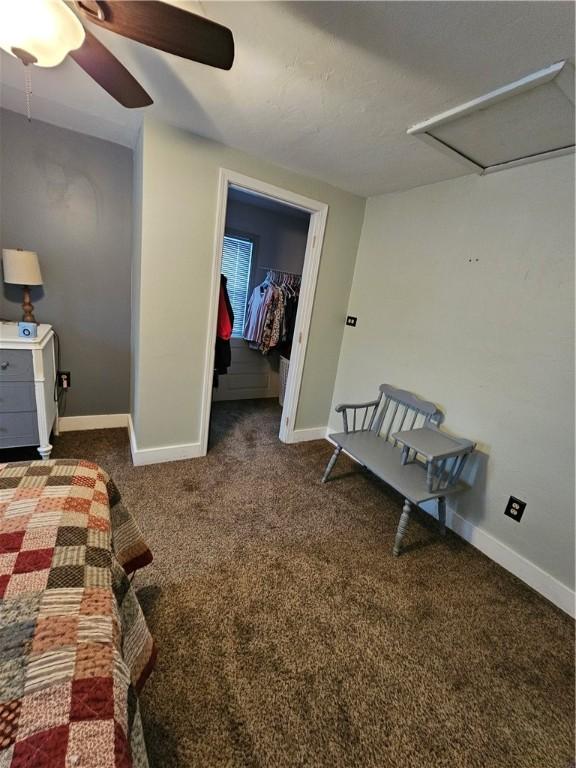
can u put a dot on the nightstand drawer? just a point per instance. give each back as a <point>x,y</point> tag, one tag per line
<point>18,429</point>
<point>16,365</point>
<point>17,396</point>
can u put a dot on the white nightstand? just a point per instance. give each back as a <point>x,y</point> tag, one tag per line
<point>28,410</point>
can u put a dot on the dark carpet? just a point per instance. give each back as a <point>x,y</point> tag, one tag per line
<point>288,636</point>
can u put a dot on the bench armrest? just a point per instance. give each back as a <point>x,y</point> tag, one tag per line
<point>348,406</point>
<point>367,419</point>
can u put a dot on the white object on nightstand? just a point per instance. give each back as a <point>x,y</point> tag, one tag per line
<point>28,411</point>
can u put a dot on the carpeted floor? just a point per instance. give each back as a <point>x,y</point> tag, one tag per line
<point>288,636</point>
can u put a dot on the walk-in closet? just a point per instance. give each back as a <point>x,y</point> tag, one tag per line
<point>263,253</point>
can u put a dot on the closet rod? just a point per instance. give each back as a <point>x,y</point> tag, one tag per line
<point>280,271</point>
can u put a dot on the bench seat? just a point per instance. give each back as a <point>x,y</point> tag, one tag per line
<point>383,459</point>
<point>397,438</point>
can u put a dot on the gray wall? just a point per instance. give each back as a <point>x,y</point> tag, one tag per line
<point>281,236</point>
<point>68,196</point>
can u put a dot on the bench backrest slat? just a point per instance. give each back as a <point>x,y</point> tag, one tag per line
<point>392,417</point>
<point>403,410</point>
<point>402,421</point>
<point>381,416</point>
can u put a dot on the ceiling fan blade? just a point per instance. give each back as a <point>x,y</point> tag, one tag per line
<point>107,71</point>
<point>164,26</point>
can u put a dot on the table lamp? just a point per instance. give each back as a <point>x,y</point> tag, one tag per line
<point>22,268</point>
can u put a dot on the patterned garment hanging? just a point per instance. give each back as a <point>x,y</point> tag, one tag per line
<point>268,324</point>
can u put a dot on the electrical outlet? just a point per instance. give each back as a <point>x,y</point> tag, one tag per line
<point>351,320</point>
<point>515,508</point>
<point>63,379</point>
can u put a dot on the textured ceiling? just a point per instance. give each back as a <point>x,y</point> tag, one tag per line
<point>325,89</point>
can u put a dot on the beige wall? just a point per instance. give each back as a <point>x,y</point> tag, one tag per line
<point>135,283</point>
<point>464,294</point>
<point>179,198</point>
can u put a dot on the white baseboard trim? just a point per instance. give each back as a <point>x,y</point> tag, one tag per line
<point>531,574</point>
<point>161,454</point>
<point>99,421</point>
<point>303,435</point>
<point>541,581</point>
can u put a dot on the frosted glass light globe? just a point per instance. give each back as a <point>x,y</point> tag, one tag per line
<point>46,29</point>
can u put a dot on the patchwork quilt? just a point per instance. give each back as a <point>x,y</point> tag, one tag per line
<point>74,645</point>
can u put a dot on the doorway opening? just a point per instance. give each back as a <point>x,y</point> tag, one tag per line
<point>266,258</point>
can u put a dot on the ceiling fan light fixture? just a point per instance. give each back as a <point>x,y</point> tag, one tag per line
<point>44,30</point>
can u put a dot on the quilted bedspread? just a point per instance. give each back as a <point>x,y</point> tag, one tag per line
<point>74,645</point>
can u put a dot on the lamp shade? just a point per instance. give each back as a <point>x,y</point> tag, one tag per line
<point>21,267</point>
<point>46,29</point>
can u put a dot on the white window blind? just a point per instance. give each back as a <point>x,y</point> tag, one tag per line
<point>236,260</point>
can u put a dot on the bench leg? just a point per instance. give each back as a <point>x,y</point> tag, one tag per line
<point>331,463</point>
<point>442,514</point>
<point>402,525</point>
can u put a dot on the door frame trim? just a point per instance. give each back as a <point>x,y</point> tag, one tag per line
<point>318,215</point>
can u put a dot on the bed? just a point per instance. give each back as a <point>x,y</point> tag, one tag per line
<point>75,649</point>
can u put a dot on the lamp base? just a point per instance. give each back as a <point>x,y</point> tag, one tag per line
<point>28,307</point>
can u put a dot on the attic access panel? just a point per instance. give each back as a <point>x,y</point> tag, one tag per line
<point>524,121</point>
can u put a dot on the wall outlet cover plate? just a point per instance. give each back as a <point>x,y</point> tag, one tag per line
<point>515,508</point>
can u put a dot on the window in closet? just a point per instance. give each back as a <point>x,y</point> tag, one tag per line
<point>236,265</point>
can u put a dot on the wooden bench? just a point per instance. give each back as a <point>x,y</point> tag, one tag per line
<point>397,437</point>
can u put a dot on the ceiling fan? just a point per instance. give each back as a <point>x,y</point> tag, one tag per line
<point>44,32</point>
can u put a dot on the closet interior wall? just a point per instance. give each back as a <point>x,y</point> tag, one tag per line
<point>277,236</point>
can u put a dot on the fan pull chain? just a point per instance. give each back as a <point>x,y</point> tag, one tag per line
<point>28,87</point>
